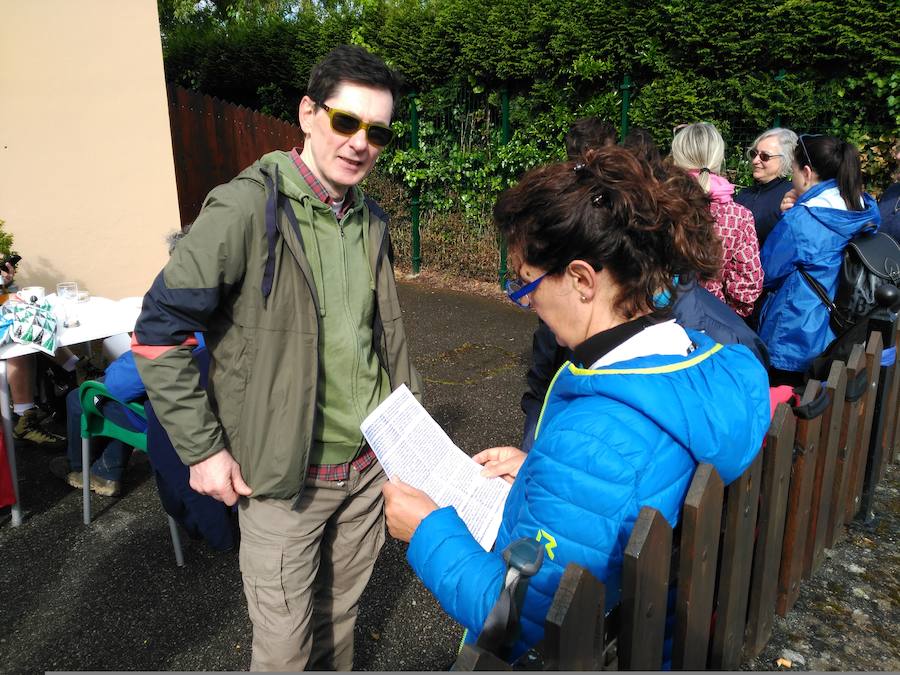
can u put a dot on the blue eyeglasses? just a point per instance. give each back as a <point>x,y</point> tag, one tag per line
<point>516,289</point>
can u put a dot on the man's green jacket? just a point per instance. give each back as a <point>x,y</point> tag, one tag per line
<point>242,277</point>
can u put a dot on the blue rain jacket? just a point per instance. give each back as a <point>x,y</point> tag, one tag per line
<point>609,441</point>
<point>793,322</point>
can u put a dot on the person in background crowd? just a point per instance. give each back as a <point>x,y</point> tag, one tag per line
<point>829,208</point>
<point>770,156</point>
<point>699,149</point>
<point>889,204</point>
<point>588,133</point>
<point>625,424</point>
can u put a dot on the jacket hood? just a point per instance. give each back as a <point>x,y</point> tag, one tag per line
<point>714,402</point>
<point>720,190</point>
<point>824,203</point>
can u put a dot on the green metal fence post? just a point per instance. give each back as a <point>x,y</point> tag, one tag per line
<point>626,100</point>
<point>414,207</point>
<point>504,139</point>
<point>779,78</point>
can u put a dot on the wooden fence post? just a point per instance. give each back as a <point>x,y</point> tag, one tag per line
<point>474,658</point>
<point>573,629</point>
<point>741,508</point>
<point>823,481</point>
<point>699,551</point>
<point>864,432</point>
<point>891,404</point>
<point>856,389</point>
<point>776,479</point>
<point>797,519</point>
<point>645,582</point>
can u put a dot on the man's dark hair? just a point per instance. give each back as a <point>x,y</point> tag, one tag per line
<point>348,63</point>
<point>588,133</point>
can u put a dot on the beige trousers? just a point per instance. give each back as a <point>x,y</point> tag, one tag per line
<point>305,570</point>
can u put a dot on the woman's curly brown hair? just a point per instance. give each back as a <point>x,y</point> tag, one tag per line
<point>612,211</point>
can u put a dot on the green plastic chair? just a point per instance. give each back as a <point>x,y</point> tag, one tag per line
<point>93,425</point>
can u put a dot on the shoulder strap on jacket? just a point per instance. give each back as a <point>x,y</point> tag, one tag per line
<point>271,232</point>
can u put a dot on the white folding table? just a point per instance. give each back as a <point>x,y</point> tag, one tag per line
<point>100,318</point>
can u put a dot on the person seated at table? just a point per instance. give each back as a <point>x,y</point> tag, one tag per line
<point>627,421</point>
<point>31,423</point>
<point>124,383</point>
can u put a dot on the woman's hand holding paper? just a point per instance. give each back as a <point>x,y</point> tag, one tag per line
<point>503,461</point>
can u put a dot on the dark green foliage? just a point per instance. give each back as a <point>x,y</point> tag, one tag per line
<point>559,59</point>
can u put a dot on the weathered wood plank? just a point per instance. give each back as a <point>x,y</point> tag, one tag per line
<point>823,480</point>
<point>573,629</point>
<point>892,404</point>
<point>797,519</point>
<point>776,479</point>
<point>473,658</point>
<point>700,527</point>
<point>742,506</point>
<point>874,445</point>
<point>864,431</point>
<point>645,581</point>
<point>855,369</point>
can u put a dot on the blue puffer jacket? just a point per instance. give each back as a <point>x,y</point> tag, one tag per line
<point>812,235</point>
<point>609,441</point>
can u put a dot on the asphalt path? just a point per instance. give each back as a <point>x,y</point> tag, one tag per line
<point>109,597</point>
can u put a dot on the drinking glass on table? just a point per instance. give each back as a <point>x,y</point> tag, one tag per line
<point>67,292</point>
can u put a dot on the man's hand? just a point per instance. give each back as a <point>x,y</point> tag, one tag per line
<point>503,461</point>
<point>219,476</point>
<point>405,507</point>
<point>789,199</point>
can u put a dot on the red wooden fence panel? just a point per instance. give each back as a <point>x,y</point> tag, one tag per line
<point>213,141</point>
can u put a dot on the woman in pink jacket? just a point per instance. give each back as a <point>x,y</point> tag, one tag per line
<point>699,148</point>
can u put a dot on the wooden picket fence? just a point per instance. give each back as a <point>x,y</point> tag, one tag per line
<point>739,554</point>
<point>212,141</point>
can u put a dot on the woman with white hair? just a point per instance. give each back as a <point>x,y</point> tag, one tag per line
<point>770,156</point>
<point>700,150</point>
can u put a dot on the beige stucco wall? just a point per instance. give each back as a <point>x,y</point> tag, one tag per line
<point>87,184</point>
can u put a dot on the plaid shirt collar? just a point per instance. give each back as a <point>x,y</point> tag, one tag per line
<point>317,187</point>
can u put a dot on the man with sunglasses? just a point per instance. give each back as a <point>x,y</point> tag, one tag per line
<point>287,271</point>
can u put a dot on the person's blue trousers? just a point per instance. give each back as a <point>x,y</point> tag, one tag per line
<point>115,454</point>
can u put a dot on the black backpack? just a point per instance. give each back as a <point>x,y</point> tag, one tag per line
<point>870,260</point>
<point>867,288</point>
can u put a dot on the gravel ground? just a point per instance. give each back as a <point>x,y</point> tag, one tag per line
<point>109,597</point>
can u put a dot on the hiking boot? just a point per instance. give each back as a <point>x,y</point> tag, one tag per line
<point>59,467</point>
<point>29,428</point>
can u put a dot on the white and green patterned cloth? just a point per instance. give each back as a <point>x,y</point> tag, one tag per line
<point>29,324</point>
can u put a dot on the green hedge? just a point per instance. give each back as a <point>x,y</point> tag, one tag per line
<point>559,59</point>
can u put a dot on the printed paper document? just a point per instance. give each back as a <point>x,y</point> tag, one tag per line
<point>412,446</point>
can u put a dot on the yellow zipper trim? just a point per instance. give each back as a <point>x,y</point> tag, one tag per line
<point>653,370</point>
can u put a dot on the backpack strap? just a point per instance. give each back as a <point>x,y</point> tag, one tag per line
<point>839,323</point>
<point>271,233</point>
<point>501,629</point>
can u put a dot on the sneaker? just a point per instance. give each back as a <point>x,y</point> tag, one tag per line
<point>59,467</point>
<point>29,428</point>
